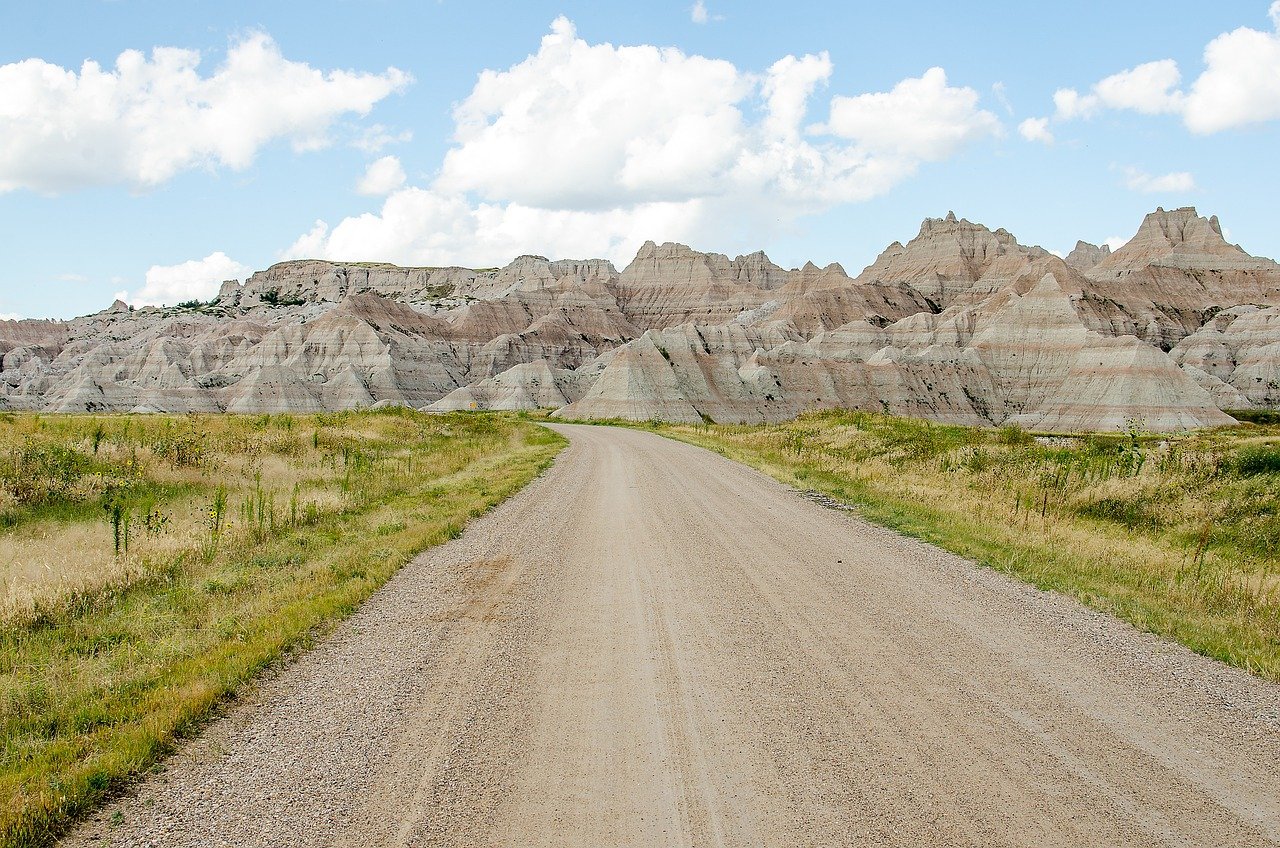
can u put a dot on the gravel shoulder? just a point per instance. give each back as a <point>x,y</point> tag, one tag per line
<point>651,645</point>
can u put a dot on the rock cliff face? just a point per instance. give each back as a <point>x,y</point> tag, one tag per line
<point>961,324</point>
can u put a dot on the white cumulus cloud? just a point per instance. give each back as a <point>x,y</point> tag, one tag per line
<point>1241,81</point>
<point>418,226</point>
<point>1240,85</point>
<point>1069,103</point>
<point>921,118</point>
<point>1151,89</point>
<point>198,279</point>
<point>699,14</point>
<point>580,125</point>
<point>1036,129</point>
<point>382,177</point>
<point>148,118</point>
<point>1177,182</point>
<point>589,149</point>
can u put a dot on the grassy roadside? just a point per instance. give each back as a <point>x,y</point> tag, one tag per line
<point>1177,535</point>
<point>97,684</point>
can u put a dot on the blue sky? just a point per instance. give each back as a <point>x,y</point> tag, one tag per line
<point>601,125</point>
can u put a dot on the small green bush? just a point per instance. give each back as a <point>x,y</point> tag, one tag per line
<point>41,472</point>
<point>274,298</point>
<point>1124,511</point>
<point>1012,434</point>
<point>1258,459</point>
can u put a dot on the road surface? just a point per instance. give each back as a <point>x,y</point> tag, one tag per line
<point>653,646</point>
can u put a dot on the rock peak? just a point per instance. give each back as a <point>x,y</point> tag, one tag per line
<point>1176,228</point>
<point>1175,224</point>
<point>1180,238</point>
<point>1085,256</point>
<point>953,224</point>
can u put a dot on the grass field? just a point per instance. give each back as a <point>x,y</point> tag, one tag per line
<point>150,565</point>
<point>1179,535</point>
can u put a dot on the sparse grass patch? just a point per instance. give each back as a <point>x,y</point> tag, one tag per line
<point>274,527</point>
<point>1179,535</point>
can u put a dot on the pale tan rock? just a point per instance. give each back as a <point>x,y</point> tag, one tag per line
<point>741,375</point>
<point>1029,342</point>
<point>1124,383</point>
<point>1172,276</point>
<point>535,273</point>
<point>952,258</point>
<point>961,324</point>
<point>672,284</point>
<point>1241,347</point>
<point>815,299</point>
<point>1180,238</point>
<point>638,385</point>
<point>318,281</point>
<point>1225,396</point>
<point>1085,256</point>
<point>531,385</point>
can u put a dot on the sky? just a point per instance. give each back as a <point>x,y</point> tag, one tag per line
<point>149,150</point>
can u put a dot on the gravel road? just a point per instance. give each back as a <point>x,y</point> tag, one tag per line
<point>653,646</point>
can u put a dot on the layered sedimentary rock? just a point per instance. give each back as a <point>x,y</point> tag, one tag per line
<point>531,385</point>
<point>1236,356</point>
<point>671,284</point>
<point>814,299</point>
<point>953,259</point>
<point>960,324</point>
<point>1084,257</point>
<point>1172,276</point>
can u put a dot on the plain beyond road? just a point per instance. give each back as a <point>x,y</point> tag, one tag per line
<point>651,645</point>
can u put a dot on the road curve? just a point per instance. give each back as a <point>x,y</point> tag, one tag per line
<point>653,646</point>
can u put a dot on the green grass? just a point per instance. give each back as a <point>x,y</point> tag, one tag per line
<point>98,683</point>
<point>1255,416</point>
<point>1178,535</point>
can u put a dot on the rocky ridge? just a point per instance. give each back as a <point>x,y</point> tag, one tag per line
<point>960,324</point>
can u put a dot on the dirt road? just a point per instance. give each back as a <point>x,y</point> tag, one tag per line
<point>653,646</point>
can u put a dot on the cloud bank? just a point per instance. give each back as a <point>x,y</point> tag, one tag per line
<point>588,149</point>
<point>149,118</point>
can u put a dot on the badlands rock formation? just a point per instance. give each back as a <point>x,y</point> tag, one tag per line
<point>1084,257</point>
<point>961,324</point>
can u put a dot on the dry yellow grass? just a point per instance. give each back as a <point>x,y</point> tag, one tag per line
<point>108,654</point>
<point>61,537</point>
